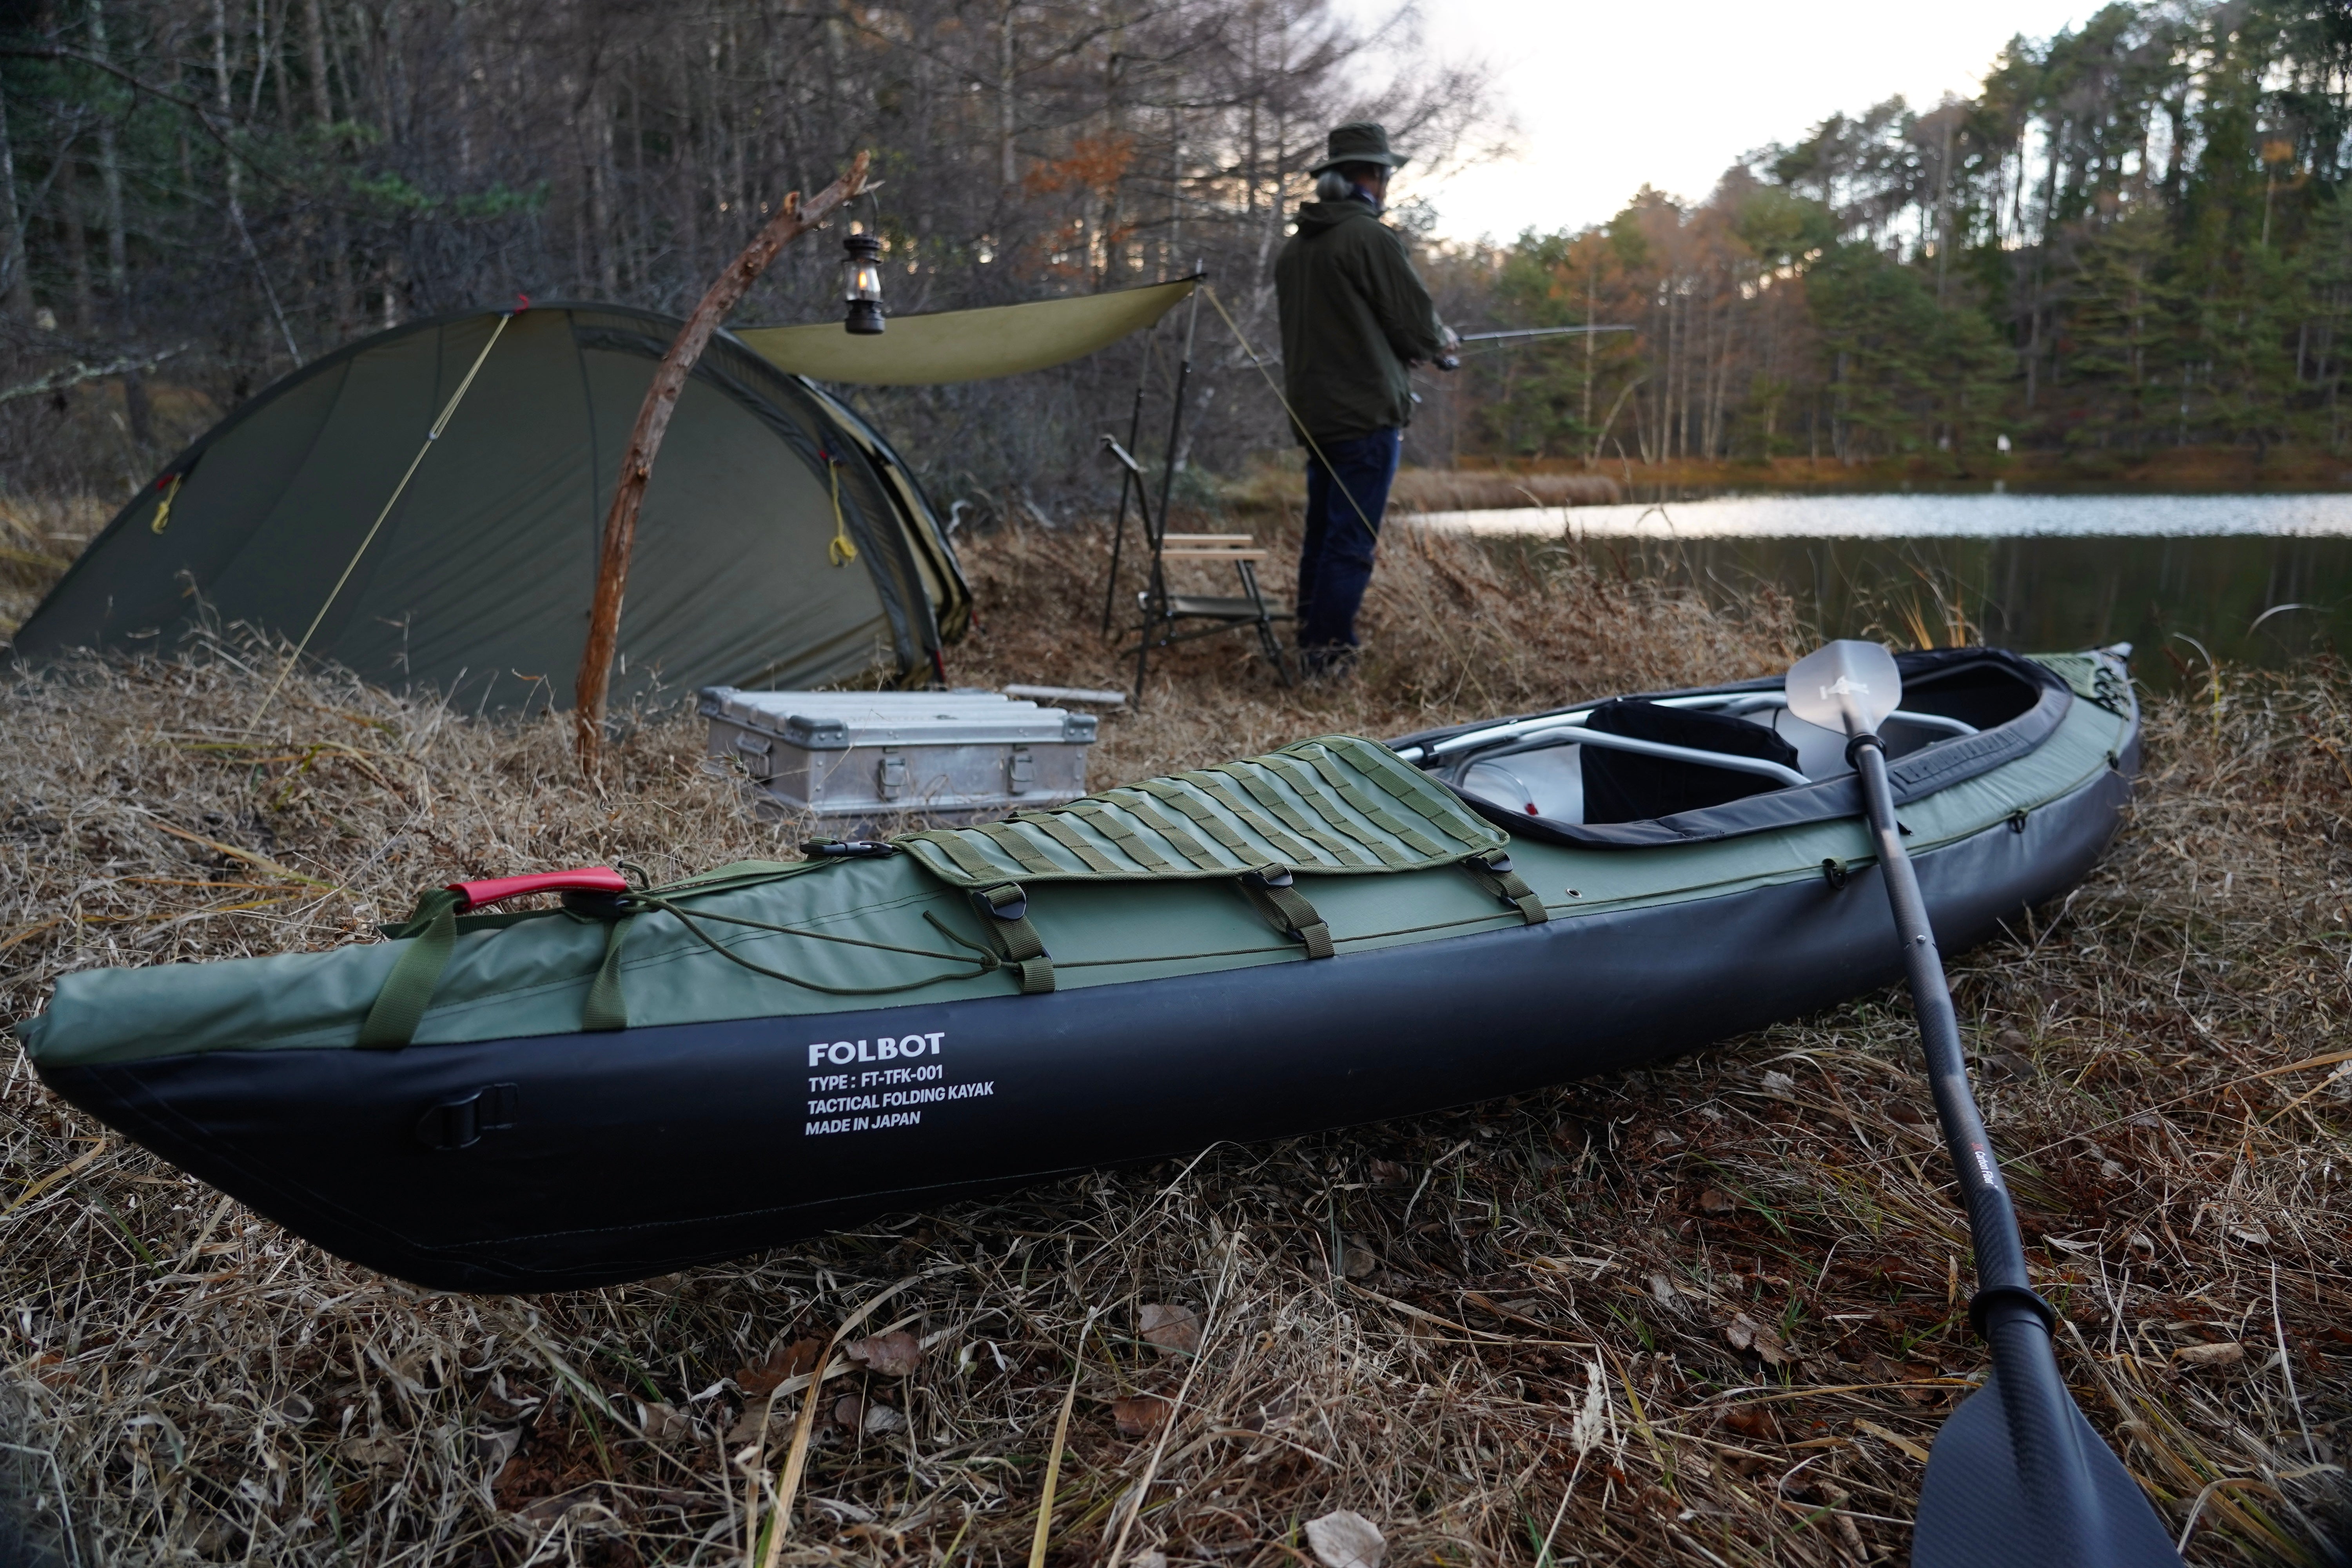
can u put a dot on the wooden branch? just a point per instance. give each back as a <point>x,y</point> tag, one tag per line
<point>76,373</point>
<point>794,218</point>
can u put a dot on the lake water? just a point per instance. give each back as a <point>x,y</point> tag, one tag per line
<point>2254,578</point>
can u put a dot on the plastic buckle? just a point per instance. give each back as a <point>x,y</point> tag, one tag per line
<point>460,1123</point>
<point>1007,902</point>
<point>1499,861</point>
<point>606,907</point>
<point>1268,877</point>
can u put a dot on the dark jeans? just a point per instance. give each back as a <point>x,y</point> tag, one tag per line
<point>1344,503</point>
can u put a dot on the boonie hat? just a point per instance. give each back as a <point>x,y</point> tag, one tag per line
<point>1359,142</point>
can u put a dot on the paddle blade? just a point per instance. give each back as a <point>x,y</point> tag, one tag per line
<point>1846,687</point>
<point>1974,1513</point>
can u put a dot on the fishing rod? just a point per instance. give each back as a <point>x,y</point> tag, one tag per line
<point>1450,361</point>
<point>2016,1477</point>
<point>1539,333</point>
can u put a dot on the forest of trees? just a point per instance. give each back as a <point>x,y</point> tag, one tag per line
<point>247,184</point>
<point>2132,236</point>
<point>2136,235</point>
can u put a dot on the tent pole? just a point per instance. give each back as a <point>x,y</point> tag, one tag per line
<point>1126,481</point>
<point>794,218</point>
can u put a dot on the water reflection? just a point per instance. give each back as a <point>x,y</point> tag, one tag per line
<point>2257,578</point>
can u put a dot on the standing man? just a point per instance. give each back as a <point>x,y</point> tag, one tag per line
<point>1354,316</point>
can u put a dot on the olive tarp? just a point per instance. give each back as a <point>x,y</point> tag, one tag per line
<point>938,347</point>
<point>479,582</point>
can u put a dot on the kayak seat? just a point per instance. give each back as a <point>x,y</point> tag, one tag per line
<point>1624,787</point>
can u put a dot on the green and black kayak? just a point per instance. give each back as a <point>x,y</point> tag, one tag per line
<point>1335,933</point>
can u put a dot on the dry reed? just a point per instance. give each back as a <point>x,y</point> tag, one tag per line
<point>1473,490</point>
<point>1706,1314</point>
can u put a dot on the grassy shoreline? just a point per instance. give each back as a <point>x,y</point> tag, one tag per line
<point>1709,1311</point>
<point>2190,470</point>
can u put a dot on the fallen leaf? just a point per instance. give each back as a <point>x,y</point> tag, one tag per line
<point>760,1379</point>
<point>1345,1539</point>
<point>1356,1261</point>
<point>548,1510</point>
<point>2252,1233</point>
<point>1140,1415</point>
<point>494,1446</point>
<point>894,1354</point>
<point>1781,1086</point>
<point>2012,1040</point>
<point>668,1421</point>
<point>1746,1333</point>
<point>1715,1200</point>
<point>859,1413</point>
<point>373,1452</point>
<point>1663,1288</point>
<point>2228,1353</point>
<point>2014,1065</point>
<point>1175,1330</point>
<point>1388,1173</point>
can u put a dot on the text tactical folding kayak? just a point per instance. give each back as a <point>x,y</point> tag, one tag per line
<point>1335,933</point>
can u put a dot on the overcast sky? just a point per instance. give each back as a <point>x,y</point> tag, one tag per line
<point>1670,92</point>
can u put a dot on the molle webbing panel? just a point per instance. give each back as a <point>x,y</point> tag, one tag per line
<point>1335,805</point>
<point>2093,679</point>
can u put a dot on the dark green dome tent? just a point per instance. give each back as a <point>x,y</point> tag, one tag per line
<point>478,582</point>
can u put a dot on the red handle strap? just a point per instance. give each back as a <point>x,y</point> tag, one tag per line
<point>495,889</point>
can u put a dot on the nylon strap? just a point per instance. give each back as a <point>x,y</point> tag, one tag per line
<point>1159,822</point>
<point>1208,821</point>
<point>1288,911</point>
<point>1492,871</point>
<point>1069,838</point>
<point>963,854</point>
<point>1104,821</point>
<point>1303,780</point>
<point>407,991</point>
<point>1292,817</point>
<point>1023,853</point>
<point>606,1008</point>
<point>1291,850</point>
<point>1014,941</point>
<point>1376,814</point>
<point>1407,784</point>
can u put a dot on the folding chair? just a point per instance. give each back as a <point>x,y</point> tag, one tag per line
<point>1164,610</point>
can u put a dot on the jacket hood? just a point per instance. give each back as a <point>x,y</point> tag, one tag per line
<point>1314,217</point>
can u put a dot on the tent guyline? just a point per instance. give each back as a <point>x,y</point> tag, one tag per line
<point>447,413</point>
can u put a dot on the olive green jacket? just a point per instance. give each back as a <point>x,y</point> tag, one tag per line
<point>1353,314</point>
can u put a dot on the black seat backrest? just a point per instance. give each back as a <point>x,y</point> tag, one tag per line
<point>1621,786</point>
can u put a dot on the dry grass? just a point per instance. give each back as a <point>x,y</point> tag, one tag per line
<point>1706,1314</point>
<point>1471,489</point>
<point>39,536</point>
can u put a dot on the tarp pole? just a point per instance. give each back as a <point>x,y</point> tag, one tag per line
<point>793,218</point>
<point>1126,483</point>
<point>1176,416</point>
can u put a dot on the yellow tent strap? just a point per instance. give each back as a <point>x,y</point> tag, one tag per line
<point>163,507</point>
<point>397,492</point>
<point>842,550</point>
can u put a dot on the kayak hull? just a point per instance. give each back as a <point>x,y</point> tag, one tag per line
<point>559,1162</point>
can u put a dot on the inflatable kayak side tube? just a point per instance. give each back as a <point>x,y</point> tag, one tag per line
<point>573,1161</point>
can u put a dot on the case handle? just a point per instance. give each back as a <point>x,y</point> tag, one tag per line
<point>497,890</point>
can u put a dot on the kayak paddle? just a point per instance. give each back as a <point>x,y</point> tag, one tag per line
<point>2017,1479</point>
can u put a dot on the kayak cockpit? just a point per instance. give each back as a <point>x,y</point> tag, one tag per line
<point>1639,759</point>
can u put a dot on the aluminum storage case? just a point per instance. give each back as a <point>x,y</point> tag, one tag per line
<point>860,761</point>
